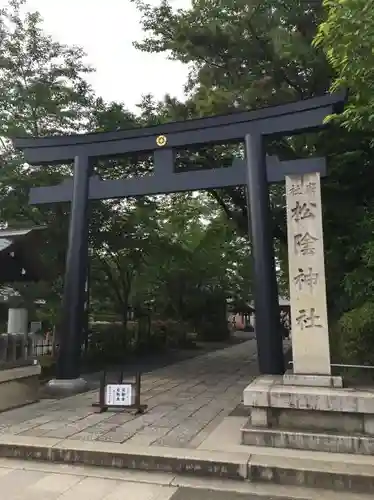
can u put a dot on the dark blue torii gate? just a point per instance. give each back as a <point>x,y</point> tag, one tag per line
<point>255,172</point>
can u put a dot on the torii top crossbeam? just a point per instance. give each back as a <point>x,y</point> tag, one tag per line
<point>290,118</point>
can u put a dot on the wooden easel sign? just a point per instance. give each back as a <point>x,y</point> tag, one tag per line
<point>123,395</point>
<point>119,395</point>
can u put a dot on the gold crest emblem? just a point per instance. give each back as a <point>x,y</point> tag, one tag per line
<point>161,141</point>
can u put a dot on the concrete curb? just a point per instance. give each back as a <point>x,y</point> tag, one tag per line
<point>328,473</point>
<point>325,480</point>
<point>203,463</point>
<point>337,472</point>
<point>313,441</point>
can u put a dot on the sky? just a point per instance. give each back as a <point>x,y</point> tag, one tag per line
<point>106,30</point>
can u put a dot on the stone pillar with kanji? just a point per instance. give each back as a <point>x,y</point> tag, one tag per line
<point>309,324</point>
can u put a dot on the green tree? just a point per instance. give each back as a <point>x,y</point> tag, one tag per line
<point>120,250</point>
<point>42,92</point>
<point>347,36</point>
<point>249,54</point>
<point>197,262</point>
<point>241,52</point>
<point>242,55</point>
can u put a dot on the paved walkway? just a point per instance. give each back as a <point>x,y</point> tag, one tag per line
<point>187,401</point>
<point>24,481</point>
<point>21,480</point>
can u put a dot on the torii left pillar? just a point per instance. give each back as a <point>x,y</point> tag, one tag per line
<point>72,324</point>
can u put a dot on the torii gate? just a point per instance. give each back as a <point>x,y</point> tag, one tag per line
<point>255,172</point>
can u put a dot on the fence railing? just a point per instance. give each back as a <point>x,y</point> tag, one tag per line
<point>43,348</point>
<point>15,350</point>
<point>340,365</point>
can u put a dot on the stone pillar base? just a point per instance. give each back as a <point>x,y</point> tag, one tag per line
<point>61,388</point>
<point>312,380</point>
<point>318,415</point>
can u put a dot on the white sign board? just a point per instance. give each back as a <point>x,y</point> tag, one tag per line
<point>118,395</point>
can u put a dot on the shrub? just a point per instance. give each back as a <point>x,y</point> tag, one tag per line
<point>165,334</point>
<point>213,332</point>
<point>353,337</point>
<point>109,343</point>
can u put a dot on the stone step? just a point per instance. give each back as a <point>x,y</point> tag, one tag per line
<point>218,489</point>
<point>199,463</point>
<point>203,494</point>
<point>241,466</point>
<point>330,442</point>
<point>185,487</point>
<point>331,471</point>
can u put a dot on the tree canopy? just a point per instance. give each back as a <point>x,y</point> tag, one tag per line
<point>250,54</point>
<point>346,35</point>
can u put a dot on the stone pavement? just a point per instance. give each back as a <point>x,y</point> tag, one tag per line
<point>21,480</point>
<point>186,401</point>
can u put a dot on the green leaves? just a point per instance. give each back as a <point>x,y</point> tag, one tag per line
<point>174,252</point>
<point>347,37</point>
<point>42,86</point>
<point>246,54</point>
<point>42,92</point>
